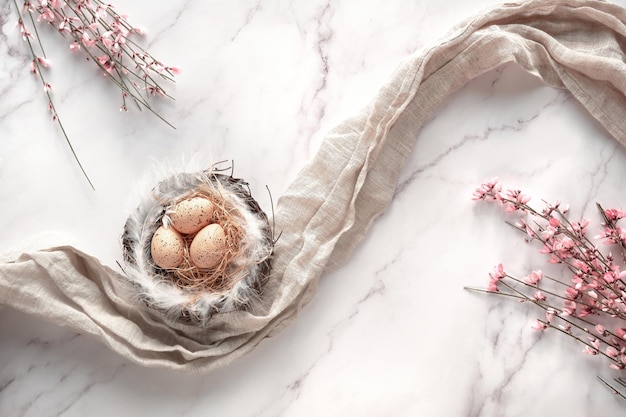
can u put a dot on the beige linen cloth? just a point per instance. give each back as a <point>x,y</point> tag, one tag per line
<point>570,44</point>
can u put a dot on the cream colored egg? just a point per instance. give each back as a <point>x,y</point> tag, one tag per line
<point>191,215</point>
<point>208,246</point>
<point>167,247</point>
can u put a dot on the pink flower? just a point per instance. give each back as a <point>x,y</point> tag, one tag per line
<point>554,222</point>
<point>571,293</point>
<point>614,214</point>
<point>120,38</point>
<point>580,265</point>
<point>155,91</point>
<point>43,61</point>
<point>554,258</point>
<point>517,196</point>
<point>539,296</point>
<point>560,247</point>
<point>64,27</point>
<point>495,276</point>
<point>546,249</point>
<point>595,342</point>
<point>621,333</point>
<point>583,311</point>
<point>106,63</point>
<point>579,282</point>
<point>549,209</point>
<point>498,272</point>
<point>523,198</point>
<point>580,228</point>
<point>548,233</point>
<point>569,308</point>
<point>120,29</point>
<point>610,277</point>
<point>74,47</point>
<point>510,207</point>
<point>590,351</point>
<point>47,15</point>
<point>600,329</point>
<point>564,244</point>
<point>612,352</point>
<point>107,42</point>
<point>102,9</point>
<point>533,278</point>
<point>538,325</point>
<point>610,236</point>
<point>487,190</point>
<point>87,41</point>
<point>522,225</point>
<point>25,33</point>
<point>174,70</point>
<point>154,66</point>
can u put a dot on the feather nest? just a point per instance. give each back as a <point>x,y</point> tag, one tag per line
<point>246,272</point>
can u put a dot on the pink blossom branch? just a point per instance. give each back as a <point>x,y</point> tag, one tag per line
<point>105,37</point>
<point>502,294</point>
<point>612,388</point>
<point>587,252</point>
<point>545,306</point>
<point>36,67</point>
<point>548,323</point>
<point>611,223</point>
<point>596,294</point>
<point>590,348</point>
<point>84,30</point>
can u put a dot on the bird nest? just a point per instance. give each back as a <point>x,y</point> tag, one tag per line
<point>187,288</point>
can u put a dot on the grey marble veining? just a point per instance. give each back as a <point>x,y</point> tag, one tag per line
<point>392,332</point>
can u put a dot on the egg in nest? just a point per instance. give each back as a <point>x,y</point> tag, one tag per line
<point>167,247</point>
<point>191,215</point>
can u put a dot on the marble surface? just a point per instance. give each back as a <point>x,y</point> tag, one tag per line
<point>391,333</point>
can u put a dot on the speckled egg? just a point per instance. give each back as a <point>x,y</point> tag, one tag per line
<point>208,246</point>
<point>191,215</point>
<point>167,247</point>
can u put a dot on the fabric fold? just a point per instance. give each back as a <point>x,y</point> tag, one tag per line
<point>329,207</point>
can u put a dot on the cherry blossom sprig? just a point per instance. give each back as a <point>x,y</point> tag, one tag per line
<point>589,305</point>
<point>96,29</point>
<point>38,63</point>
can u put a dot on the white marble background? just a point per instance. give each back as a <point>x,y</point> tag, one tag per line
<point>392,333</point>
